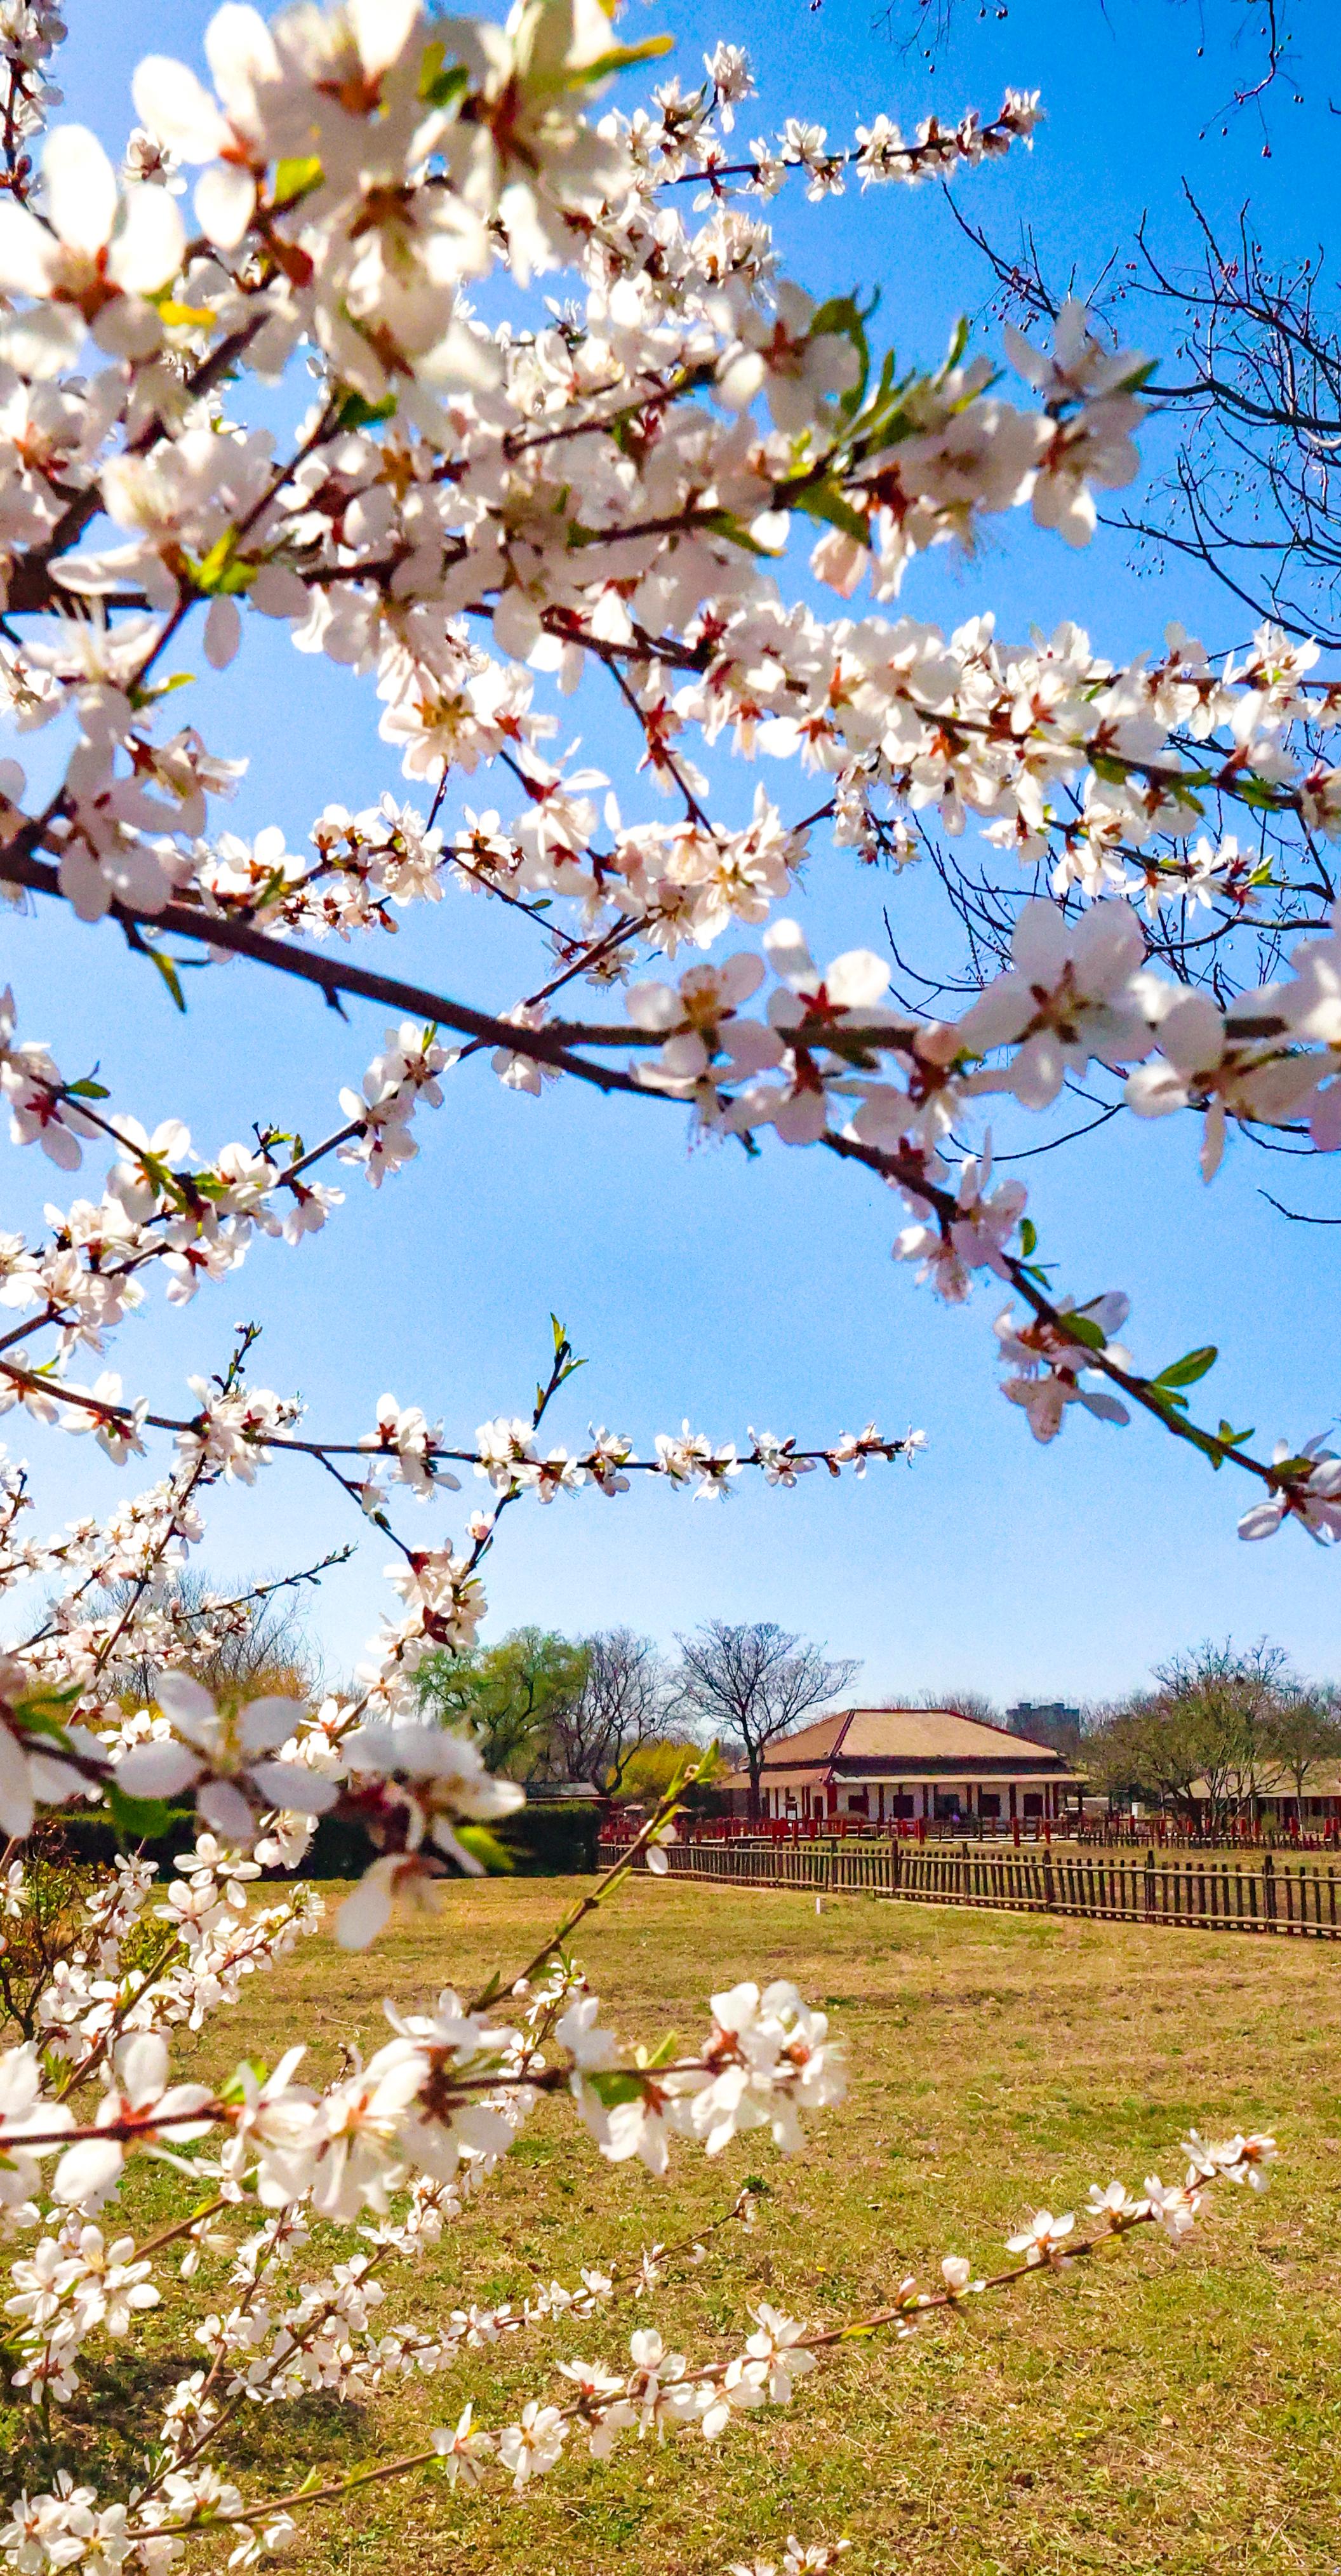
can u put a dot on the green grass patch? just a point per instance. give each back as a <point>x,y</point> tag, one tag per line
<point>1159,2411</point>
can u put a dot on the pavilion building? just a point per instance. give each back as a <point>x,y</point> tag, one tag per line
<point>896,1765</point>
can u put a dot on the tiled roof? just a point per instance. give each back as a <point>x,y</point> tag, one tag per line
<point>911,1737</point>
<point>809,1743</point>
<point>938,1733</point>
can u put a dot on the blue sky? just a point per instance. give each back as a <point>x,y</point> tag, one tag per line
<point>696,1282</point>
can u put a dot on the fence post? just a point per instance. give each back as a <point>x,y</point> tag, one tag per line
<point>1268,1887</point>
<point>1149,1885</point>
<point>1048,1893</point>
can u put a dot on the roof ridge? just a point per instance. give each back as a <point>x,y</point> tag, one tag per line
<point>945,1708</point>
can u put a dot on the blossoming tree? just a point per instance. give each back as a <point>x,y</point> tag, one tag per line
<point>474,515</point>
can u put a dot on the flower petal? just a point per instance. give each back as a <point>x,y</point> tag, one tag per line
<point>178,109</point>
<point>856,980</point>
<point>187,1704</point>
<point>240,51</point>
<point>16,1792</point>
<point>148,248</point>
<point>223,631</point>
<point>225,1808</point>
<point>88,2170</point>
<point>80,188</point>
<point>266,1723</point>
<point>29,258</point>
<point>789,956</point>
<point>224,200</point>
<point>292,1785</point>
<point>368,1911</point>
<point>158,1770</point>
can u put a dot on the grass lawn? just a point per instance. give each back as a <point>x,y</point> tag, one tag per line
<point>1155,2411</point>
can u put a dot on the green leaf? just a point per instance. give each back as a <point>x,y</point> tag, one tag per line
<point>825,501</point>
<point>619,59</point>
<point>297,178</point>
<point>218,572</point>
<point>958,344</point>
<point>1262,792</point>
<point>1028,1236</point>
<point>1234,1439</point>
<point>441,83</point>
<point>1083,1328</point>
<point>486,1849</point>
<point>716,523</point>
<point>39,1707</point>
<point>88,1089</point>
<point>36,1720</point>
<point>1186,1371</point>
<point>139,1819</point>
<point>662,2055</point>
<point>698,1764</point>
<point>354,412</point>
<point>168,972</point>
<point>235,2090</point>
<point>612,2086</point>
<point>216,562</point>
<point>841,318</point>
<point>1199,1439</point>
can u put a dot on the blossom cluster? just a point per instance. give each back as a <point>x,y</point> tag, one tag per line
<point>246,373</point>
<point>468,511</point>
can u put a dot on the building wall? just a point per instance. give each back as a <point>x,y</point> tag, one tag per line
<point>887,1802</point>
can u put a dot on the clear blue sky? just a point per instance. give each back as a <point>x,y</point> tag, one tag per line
<point>699,1284</point>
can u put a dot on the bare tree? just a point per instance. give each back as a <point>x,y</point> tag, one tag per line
<point>1246,383</point>
<point>753,1683</point>
<point>1251,382</point>
<point>620,1707</point>
<point>1205,1731</point>
<point>1303,1732</point>
<point>965,1703</point>
<point>1228,1699</point>
<point>243,1639</point>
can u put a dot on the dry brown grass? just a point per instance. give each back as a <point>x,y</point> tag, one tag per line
<point>1158,2412</point>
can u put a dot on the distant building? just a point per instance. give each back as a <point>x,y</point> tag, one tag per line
<point>890,1765</point>
<point>1045,1721</point>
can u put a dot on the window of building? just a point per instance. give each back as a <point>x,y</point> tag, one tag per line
<point>989,1802</point>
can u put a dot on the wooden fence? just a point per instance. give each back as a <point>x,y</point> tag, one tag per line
<point>1202,1895</point>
